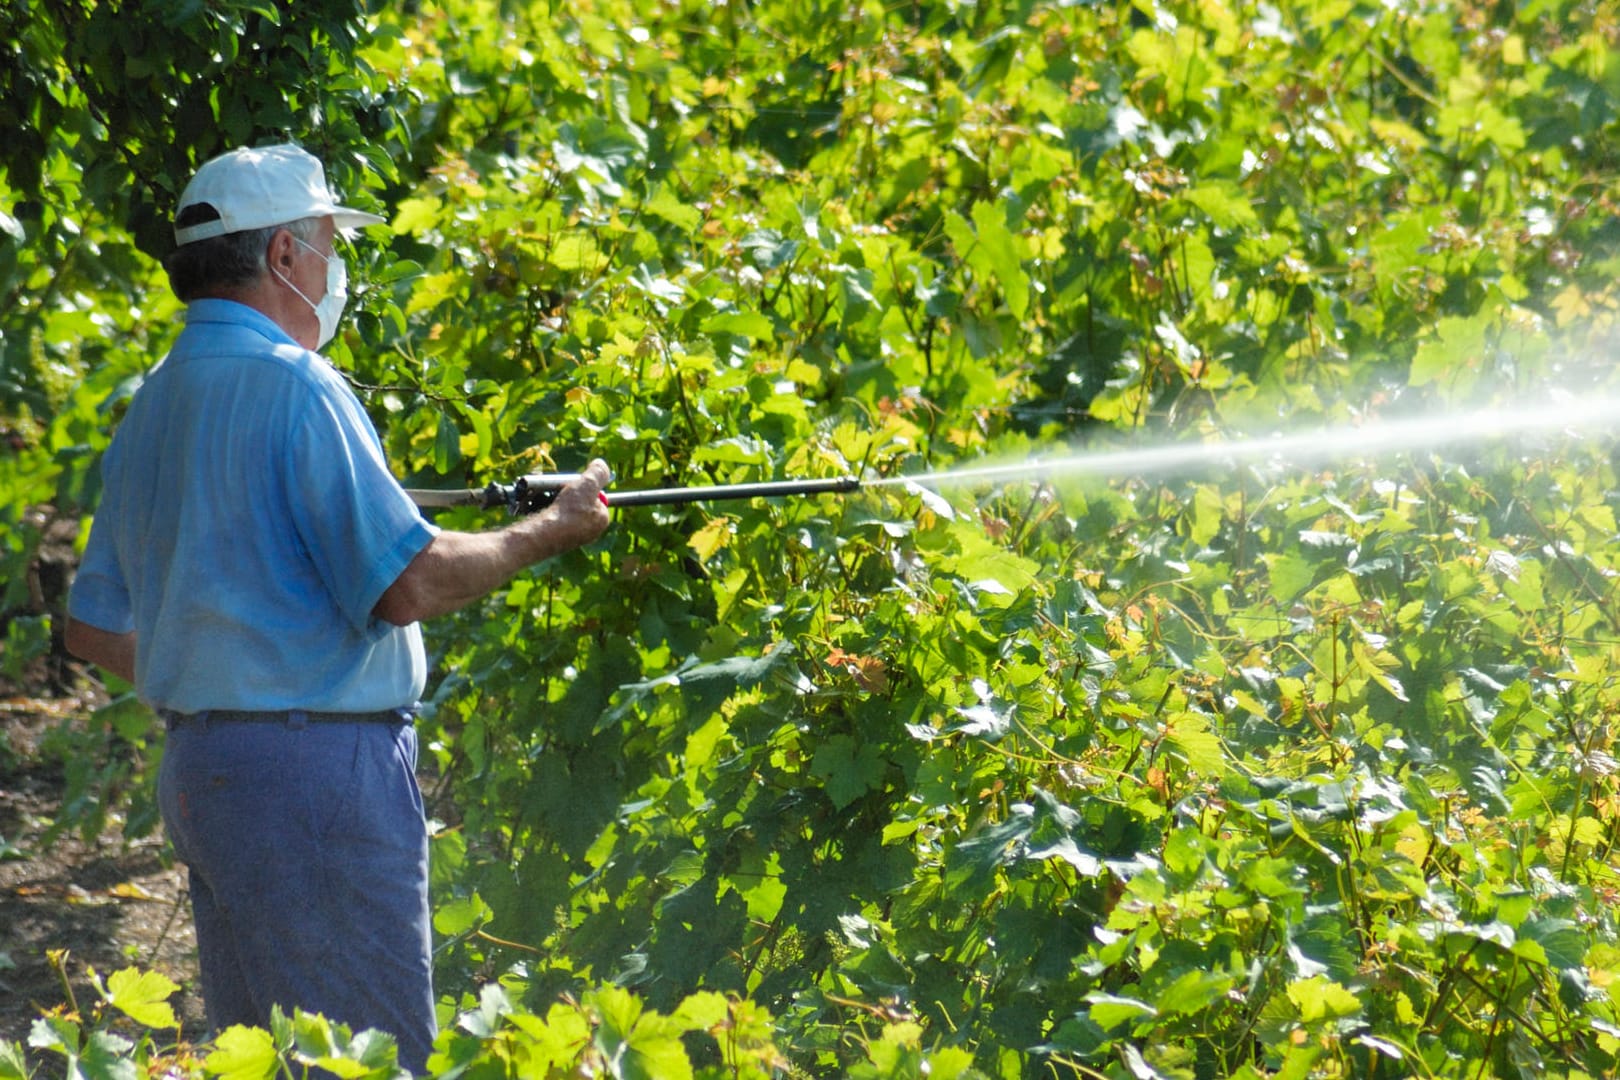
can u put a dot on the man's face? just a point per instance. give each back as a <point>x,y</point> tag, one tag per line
<point>299,268</point>
<point>309,268</point>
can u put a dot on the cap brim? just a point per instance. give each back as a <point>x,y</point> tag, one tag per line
<point>344,217</point>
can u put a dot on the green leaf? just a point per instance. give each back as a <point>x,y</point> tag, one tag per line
<point>1456,347</point>
<point>935,502</point>
<point>1290,575</point>
<point>849,769</point>
<point>1109,1011</point>
<point>370,1052</point>
<point>1193,991</point>
<point>619,1011</point>
<point>999,255</point>
<point>990,847</point>
<point>1225,203</point>
<point>657,1058</point>
<point>1085,863</point>
<point>107,1057</point>
<point>243,1053</point>
<point>314,1036</point>
<point>415,215</point>
<point>13,1064</point>
<point>573,253</point>
<point>1189,735</point>
<point>1562,941</point>
<point>1207,514</point>
<point>446,445</point>
<point>129,717</point>
<point>665,204</point>
<point>143,997</point>
<point>1320,998</point>
<point>705,686</point>
<point>459,916</point>
<point>748,324</point>
<point>555,1040</point>
<point>486,1019</point>
<point>951,1063</point>
<point>55,1033</point>
<point>702,1011</point>
<point>737,450</point>
<point>978,558</point>
<point>646,1046</point>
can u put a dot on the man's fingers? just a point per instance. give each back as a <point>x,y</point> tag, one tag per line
<point>596,476</point>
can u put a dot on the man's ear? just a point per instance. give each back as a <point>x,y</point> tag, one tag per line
<point>278,254</point>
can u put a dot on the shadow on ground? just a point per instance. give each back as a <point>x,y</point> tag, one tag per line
<point>102,904</point>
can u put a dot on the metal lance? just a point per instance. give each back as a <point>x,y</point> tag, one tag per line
<point>527,494</point>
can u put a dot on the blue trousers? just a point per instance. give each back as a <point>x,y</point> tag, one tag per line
<point>307,852</point>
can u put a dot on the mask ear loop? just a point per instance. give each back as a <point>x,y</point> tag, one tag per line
<point>327,259</point>
<point>288,282</point>
<point>337,283</point>
<point>342,275</point>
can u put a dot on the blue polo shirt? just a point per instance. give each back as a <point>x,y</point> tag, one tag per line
<point>247,527</point>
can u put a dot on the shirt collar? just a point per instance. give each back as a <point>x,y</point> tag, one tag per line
<point>233,313</point>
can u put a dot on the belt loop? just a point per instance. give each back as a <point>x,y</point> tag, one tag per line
<point>297,719</point>
<point>200,718</point>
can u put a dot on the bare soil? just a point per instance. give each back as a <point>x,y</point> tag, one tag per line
<point>73,906</point>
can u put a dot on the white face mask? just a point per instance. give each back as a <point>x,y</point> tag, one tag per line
<point>337,294</point>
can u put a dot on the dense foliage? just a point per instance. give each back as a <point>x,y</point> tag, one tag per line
<point>1243,771</point>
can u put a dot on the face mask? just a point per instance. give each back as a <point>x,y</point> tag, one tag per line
<point>337,293</point>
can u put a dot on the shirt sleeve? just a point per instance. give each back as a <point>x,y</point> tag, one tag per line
<point>100,595</point>
<point>360,528</point>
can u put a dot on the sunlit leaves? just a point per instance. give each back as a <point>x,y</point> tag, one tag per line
<point>143,996</point>
<point>242,1053</point>
<point>1256,770</point>
<point>988,247</point>
<point>13,1065</point>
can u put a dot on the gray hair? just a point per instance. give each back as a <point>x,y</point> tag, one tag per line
<point>203,267</point>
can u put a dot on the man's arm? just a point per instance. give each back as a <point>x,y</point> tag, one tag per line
<point>115,652</point>
<point>457,568</point>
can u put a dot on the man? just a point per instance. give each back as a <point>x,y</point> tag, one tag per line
<point>257,573</point>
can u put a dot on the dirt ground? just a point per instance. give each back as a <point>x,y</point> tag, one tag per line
<point>105,905</point>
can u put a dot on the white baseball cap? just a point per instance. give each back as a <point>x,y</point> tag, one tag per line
<point>257,187</point>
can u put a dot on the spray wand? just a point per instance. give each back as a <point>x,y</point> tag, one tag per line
<point>527,494</point>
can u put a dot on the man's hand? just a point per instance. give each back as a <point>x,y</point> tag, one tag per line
<point>457,568</point>
<point>580,508</point>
